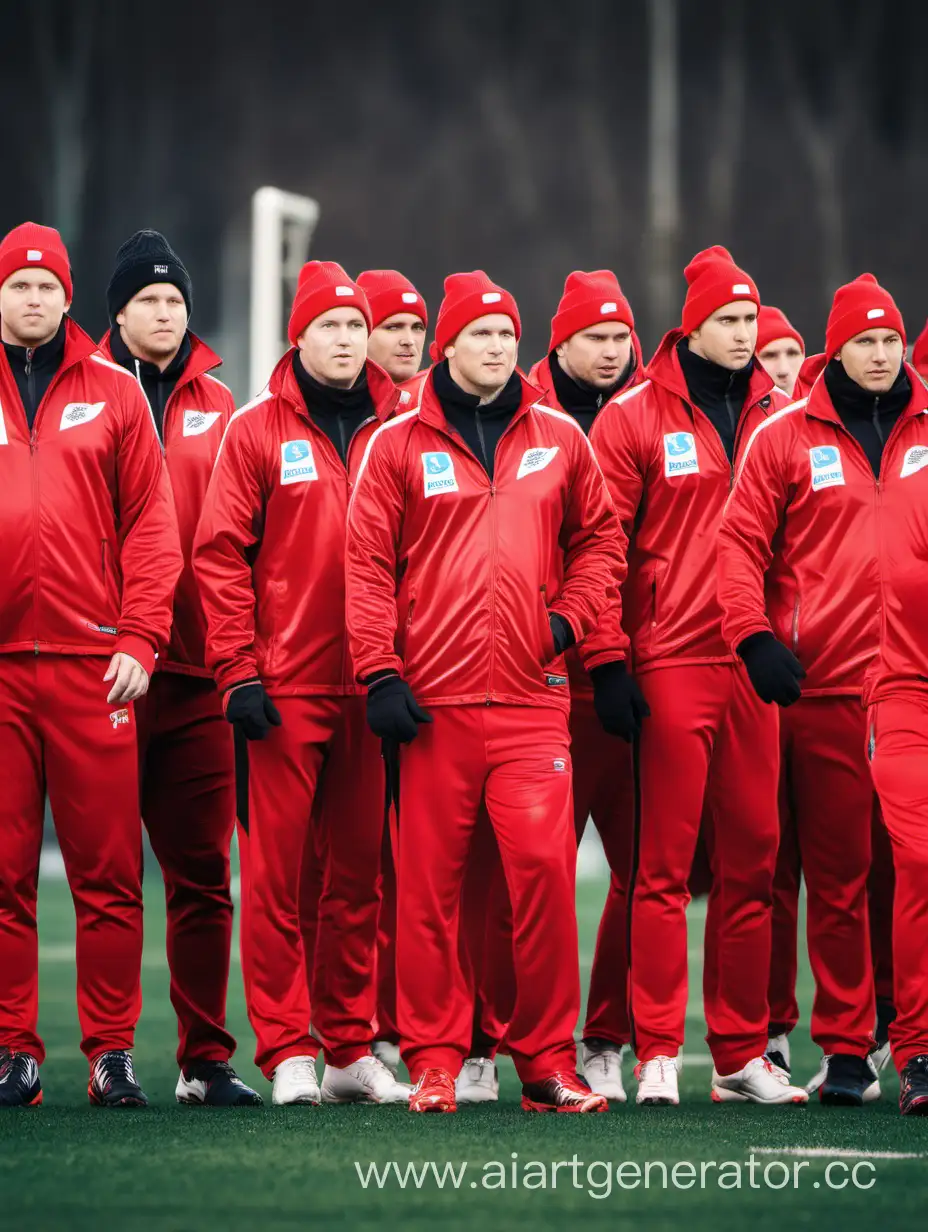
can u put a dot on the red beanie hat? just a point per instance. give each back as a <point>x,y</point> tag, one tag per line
<point>771,325</point>
<point>920,352</point>
<point>713,280</point>
<point>324,285</point>
<point>467,297</point>
<point>32,245</point>
<point>389,292</point>
<point>858,306</point>
<point>588,298</point>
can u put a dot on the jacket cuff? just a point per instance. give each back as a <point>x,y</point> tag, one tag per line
<point>139,648</point>
<point>748,632</point>
<point>390,663</point>
<point>239,684</point>
<point>602,658</point>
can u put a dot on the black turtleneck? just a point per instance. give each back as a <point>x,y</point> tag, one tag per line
<point>868,417</point>
<point>480,426</point>
<point>584,401</point>
<point>338,412</point>
<point>718,392</point>
<point>158,385</point>
<point>34,369</point>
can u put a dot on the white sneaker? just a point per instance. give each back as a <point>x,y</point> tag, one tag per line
<point>760,1082</point>
<point>602,1068</point>
<point>295,1082</point>
<point>778,1051</point>
<point>870,1093</point>
<point>478,1082</point>
<point>387,1053</point>
<point>880,1055</point>
<point>366,1081</point>
<point>657,1081</point>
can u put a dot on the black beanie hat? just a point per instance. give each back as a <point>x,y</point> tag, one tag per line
<point>145,258</point>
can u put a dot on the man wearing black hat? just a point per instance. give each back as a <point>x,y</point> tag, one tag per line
<point>185,745</point>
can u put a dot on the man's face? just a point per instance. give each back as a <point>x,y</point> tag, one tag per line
<point>782,359</point>
<point>597,356</point>
<point>873,359</point>
<point>333,347</point>
<point>154,322</point>
<point>483,355</point>
<point>729,336</point>
<point>396,344</point>
<point>32,303</point>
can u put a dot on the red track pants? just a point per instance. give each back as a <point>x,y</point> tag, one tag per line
<point>708,740</point>
<point>59,733</point>
<point>486,948</point>
<point>604,789</point>
<point>821,787</point>
<point>900,774</point>
<point>516,759</point>
<point>188,806</point>
<point>317,780</point>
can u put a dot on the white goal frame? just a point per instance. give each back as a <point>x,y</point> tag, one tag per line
<point>282,226</point>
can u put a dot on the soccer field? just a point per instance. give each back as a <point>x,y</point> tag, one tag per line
<point>174,1169</point>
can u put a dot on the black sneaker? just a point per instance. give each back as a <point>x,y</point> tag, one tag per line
<point>19,1080</point>
<point>216,1084</point>
<point>849,1081</point>
<point>113,1083</point>
<point>913,1088</point>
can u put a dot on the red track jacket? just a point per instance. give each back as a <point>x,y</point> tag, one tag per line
<point>89,548</point>
<point>451,577</point>
<point>577,672</point>
<point>798,552</point>
<point>670,477</point>
<point>196,416</point>
<point>269,553</point>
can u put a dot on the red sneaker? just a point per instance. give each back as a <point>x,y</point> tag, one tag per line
<point>434,1092</point>
<point>562,1092</point>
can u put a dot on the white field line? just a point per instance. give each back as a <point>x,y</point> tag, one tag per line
<point>835,1152</point>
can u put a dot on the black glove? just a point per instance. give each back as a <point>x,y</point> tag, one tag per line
<point>562,633</point>
<point>620,704</point>
<point>774,670</point>
<point>392,711</point>
<point>251,711</point>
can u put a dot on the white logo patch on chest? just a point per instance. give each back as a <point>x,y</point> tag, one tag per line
<point>79,413</point>
<point>915,459</point>
<point>297,464</point>
<point>198,422</point>
<point>680,456</point>
<point>535,460</point>
<point>827,468</point>
<point>438,473</point>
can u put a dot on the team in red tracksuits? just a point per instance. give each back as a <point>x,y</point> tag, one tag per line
<point>467,565</point>
<point>667,448</point>
<point>89,557</point>
<point>593,354</point>
<point>798,561</point>
<point>269,558</point>
<point>185,745</point>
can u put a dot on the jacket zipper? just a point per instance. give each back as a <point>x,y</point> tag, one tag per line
<point>796,627</point>
<point>412,604</point>
<point>493,570</point>
<point>483,444</point>
<point>347,448</point>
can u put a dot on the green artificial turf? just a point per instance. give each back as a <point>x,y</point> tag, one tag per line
<point>171,1169</point>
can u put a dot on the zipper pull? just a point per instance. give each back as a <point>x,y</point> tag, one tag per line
<point>30,354</point>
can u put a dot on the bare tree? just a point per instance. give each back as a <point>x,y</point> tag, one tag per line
<point>63,37</point>
<point>663,161</point>
<point>823,129</point>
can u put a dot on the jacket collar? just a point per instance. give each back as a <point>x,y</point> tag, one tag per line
<point>664,369</point>
<point>820,406</point>
<point>431,413</point>
<point>386,397</point>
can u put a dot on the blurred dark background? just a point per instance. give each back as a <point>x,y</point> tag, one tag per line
<point>524,138</point>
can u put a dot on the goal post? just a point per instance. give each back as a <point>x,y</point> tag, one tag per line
<point>282,226</point>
